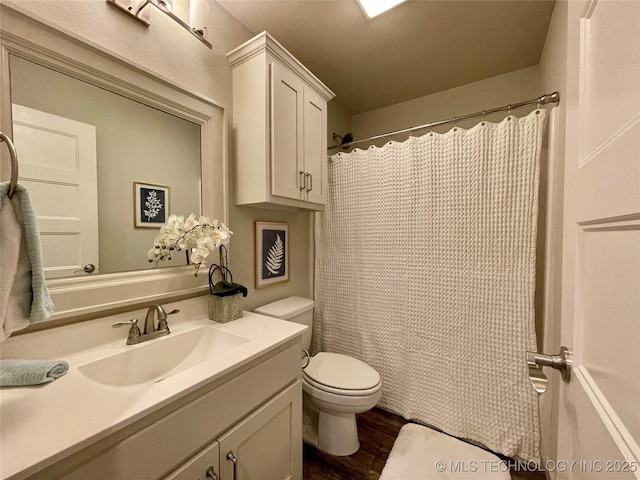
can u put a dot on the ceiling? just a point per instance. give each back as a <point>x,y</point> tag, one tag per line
<point>415,49</point>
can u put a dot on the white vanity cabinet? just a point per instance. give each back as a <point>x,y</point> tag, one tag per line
<point>280,128</point>
<point>252,415</point>
<point>259,447</point>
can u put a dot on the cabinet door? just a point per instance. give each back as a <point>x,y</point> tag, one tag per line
<point>315,147</point>
<point>268,443</point>
<point>287,94</point>
<point>202,466</point>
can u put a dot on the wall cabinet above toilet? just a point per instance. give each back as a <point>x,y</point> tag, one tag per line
<point>279,128</point>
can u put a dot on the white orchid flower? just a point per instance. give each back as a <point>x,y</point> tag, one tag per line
<point>202,236</point>
<point>206,242</point>
<point>198,255</point>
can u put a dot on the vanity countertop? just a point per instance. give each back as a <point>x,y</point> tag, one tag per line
<point>41,425</point>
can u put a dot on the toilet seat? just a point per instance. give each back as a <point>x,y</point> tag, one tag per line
<point>341,375</point>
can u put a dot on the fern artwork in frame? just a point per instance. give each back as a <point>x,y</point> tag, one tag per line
<point>272,253</point>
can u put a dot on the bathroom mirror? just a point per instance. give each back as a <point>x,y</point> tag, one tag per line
<point>37,59</point>
<point>82,149</point>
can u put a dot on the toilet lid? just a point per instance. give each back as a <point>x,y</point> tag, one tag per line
<point>341,371</point>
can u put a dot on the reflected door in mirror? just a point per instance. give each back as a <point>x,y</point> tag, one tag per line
<point>58,166</point>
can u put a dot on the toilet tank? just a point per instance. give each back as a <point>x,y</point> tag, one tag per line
<point>293,309</point>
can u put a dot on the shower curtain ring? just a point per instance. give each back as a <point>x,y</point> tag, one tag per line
<point>509,113</point>
<point>538,108</point>
<point>455,123</point>
<point>483,120</point>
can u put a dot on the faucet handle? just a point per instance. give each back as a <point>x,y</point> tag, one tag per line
<point>134,331</point>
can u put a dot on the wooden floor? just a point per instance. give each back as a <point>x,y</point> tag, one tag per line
<point>377,430</point>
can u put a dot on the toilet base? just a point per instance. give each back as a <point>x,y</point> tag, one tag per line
<point>333,433</point>
<point>338,433</point>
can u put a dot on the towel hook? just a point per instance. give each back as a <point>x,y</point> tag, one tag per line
<point>14,164</point>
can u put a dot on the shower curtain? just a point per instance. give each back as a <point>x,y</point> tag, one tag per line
<point>425,269</point>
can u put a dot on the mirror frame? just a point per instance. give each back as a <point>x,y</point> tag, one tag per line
<point>34,39</point>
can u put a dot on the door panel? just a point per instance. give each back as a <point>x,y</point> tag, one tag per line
<point>599,413</point>
<point>58,166</point>
<point>315,146</point>
<point>268,443</point>
<point>286,132</point>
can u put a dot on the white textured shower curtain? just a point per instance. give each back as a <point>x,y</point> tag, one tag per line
<point>425,269</point>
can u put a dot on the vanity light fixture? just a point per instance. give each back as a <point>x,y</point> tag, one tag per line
<point>139,9</point>
<point>373,8</point>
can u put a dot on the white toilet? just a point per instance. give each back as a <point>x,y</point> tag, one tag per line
<point>336,387</point>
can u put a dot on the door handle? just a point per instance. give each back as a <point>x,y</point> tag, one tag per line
<point>535,361</point>
<point>234,460</point>
<point>211,474</point>
<point>303,180</point>
<point>310,178</point>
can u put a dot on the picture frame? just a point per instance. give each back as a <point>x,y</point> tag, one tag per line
<point>150,205</point>
<point>272,253</point>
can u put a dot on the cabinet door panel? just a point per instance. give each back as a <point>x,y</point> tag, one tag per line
<point>287,94</point>
<point>268,443</point>
<point>197,468</point>
<point>315,146</point>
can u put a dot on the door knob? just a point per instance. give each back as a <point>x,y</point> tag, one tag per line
<point>88,268</point>
<point>535,361</point>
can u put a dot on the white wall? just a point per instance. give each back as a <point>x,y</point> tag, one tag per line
<point>338,121</point>
<point>510,87</point>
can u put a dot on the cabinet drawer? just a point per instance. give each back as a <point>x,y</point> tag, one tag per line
<point>156,449</point>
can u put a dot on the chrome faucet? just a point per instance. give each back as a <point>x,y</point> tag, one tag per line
<point>150,330</point>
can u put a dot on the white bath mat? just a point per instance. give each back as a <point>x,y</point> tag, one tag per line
<point>421,453</point>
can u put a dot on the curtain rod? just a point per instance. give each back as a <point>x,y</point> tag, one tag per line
<point>544,99</point>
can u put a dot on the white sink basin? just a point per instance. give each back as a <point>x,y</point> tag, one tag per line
<point>158,359</point>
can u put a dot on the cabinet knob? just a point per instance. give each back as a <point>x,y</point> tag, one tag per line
<point>310,178</point>
<point>211,474</point>
<point>303,180</point>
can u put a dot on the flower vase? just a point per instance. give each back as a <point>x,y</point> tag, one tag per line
<point>225,309</point>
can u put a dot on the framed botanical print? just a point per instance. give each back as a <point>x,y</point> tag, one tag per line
<point>272,253</point>
<point>150,205</point>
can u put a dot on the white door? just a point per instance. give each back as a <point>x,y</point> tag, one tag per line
<point>599,409</point>
<point>58,166</point>
<point>287,169</point>
<point>268,443</point>
<point>315,147</point>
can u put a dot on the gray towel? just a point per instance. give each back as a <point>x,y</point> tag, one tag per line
<point>16,373</point>
<point>24,297</point>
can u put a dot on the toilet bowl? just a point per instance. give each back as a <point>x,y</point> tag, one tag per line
<point>335,387</point>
